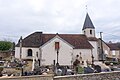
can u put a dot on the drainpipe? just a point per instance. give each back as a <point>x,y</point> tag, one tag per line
<point>102,48</point>
<point>92,57</point>
<point>40,50</point>
<point>40,56</point>
<point>20,47</point>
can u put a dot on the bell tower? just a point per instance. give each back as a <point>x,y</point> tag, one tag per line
<point>88,27</point>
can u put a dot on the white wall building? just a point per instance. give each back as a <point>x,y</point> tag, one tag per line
<point>68,48</point>
<point>44,46</point>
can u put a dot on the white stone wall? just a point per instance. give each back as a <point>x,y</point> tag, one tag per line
<point>87,32</point>
<point>49,53</point>
<point>106,50</point>
<point>95,49</point>
<point>85,53</point>
<point>115,53</point>
<point>24,52</point>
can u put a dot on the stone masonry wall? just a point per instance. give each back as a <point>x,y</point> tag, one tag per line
<point>40,77</point>
<point>94,76</point>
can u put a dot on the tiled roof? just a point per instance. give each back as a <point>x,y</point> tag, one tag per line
<point>79,41</point>
<point>31,40</point>
<point>88,23</point>
<point>37,39</point>
<point>92,39</point>
<point>114,46</point>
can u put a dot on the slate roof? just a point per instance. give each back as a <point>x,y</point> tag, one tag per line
<point>114,46</point>
<point>37,39</point>
<point>88,23</point>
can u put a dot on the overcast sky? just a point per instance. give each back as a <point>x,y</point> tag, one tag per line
<point>23,17</point>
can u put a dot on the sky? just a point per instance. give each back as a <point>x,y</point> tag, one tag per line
<point>23,17</point>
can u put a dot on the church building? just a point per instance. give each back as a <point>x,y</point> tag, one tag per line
<point>62,48</point>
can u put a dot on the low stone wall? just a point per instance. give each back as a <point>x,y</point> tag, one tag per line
<point>94,76</point>
<point>39,77</point>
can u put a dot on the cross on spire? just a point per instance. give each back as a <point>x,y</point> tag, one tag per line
<point>86,8</point>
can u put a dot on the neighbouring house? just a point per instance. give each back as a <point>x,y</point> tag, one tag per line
<point>114,49</point>
<point>103,46</point>
<point>62,48</point>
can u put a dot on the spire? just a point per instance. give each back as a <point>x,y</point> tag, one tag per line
<point>88,23</point>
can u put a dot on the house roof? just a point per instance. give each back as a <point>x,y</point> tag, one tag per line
<point>92,39</point>
<point>114,46</point>
<point>88,23</point>
<point>37,39</point>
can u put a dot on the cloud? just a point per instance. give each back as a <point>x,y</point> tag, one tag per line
<point>21,17</point>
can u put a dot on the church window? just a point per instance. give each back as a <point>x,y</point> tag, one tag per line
<point>29,53</point>
<point>90,31</point>
<point>57,45</point>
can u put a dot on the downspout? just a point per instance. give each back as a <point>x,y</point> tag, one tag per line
<point>102,48</point>
<point>92,57</point>
<point>40,50</point>
<point>20,47</point>
<point>40,56</point>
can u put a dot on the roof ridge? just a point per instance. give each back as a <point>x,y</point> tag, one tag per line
<point>61,34</point>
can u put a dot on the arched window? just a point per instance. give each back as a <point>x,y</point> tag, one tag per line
<point>29,53</point>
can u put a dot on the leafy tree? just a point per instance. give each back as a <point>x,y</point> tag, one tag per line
<point>5,45</point>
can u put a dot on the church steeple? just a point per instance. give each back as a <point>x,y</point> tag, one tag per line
<point>88,23</point>
<point>88,27</point>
